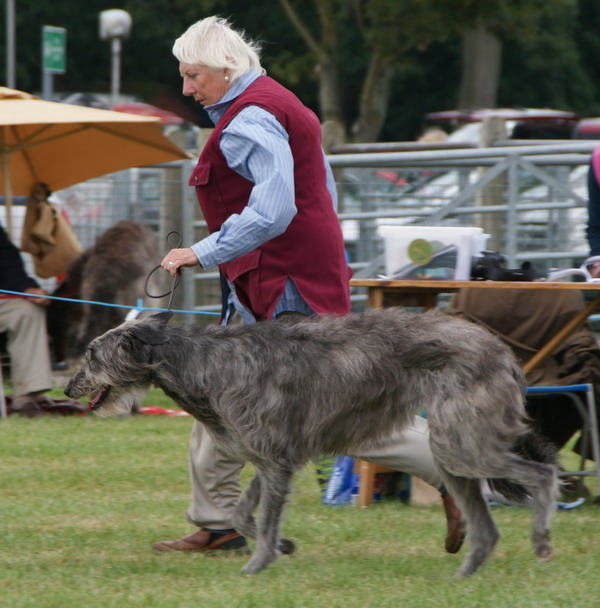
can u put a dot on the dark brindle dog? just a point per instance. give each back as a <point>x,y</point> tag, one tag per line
<point>113,271</point>
<point>278,394</point>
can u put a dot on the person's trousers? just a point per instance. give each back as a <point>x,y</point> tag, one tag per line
<point>25,324</point>
<point>215,477</point>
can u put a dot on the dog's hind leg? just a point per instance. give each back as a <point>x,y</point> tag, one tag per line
<point>541,483</point>
<point>273,486</point>
<point>482,533</point>
<point>544,504</point>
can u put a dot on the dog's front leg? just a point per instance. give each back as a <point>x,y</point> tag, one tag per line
<point>274,486</point>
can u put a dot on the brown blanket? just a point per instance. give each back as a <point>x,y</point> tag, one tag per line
<point>525,320</point>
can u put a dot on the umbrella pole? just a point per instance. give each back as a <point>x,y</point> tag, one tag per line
<point>7,195</point>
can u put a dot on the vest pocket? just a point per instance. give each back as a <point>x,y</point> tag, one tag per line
<point>240,266</point>
<point>200,175</point>
<point>244,273</point>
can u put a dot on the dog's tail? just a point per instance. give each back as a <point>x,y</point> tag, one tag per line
<point>531,446</point>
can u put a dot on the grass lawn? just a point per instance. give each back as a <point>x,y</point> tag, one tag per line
<point>83,499</point>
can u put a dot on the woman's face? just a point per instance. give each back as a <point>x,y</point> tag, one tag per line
<point>206,86</point>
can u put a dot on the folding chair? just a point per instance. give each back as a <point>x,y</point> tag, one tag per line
<point>589,431</point>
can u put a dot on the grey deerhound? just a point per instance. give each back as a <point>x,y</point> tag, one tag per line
<point>279,393</point>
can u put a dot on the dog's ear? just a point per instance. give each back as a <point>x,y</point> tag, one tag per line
<point>162,318</point>
<point>151,330</point>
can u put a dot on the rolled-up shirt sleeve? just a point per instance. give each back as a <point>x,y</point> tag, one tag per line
<point>255,146</point>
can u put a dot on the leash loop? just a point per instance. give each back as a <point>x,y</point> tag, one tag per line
<point>176,278</point>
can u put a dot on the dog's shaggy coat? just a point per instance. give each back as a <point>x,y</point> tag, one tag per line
<point>278,394</point>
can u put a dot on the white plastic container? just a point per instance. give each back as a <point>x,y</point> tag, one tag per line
<point>432,252</point>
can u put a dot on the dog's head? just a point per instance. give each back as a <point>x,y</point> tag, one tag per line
<point>119,365</point>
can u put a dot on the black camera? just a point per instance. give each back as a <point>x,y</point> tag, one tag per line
<point>490,267</point>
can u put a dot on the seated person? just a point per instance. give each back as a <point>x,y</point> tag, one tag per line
<point>24,321</point>
<point>526,320</point>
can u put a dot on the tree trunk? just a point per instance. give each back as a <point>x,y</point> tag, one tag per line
<point>481,64</point>
<point>329,91</point>
<point>326,53</point>
<point>374,99</point>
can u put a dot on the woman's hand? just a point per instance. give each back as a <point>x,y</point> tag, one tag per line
<point>176,258</point>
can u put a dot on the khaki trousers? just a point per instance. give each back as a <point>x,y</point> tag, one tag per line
<point>30,364</point>
<point>215,478</point>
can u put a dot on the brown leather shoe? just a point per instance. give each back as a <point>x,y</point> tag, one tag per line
<point>205,541</point>
<point>456,530</point>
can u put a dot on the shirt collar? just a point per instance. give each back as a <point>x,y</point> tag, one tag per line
<point>238,86</point>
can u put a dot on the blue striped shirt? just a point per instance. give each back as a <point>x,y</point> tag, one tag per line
<point>256,146</point>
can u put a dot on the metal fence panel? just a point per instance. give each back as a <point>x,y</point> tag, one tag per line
<point>531,199</point>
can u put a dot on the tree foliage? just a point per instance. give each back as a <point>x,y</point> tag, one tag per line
<point>376,66</point>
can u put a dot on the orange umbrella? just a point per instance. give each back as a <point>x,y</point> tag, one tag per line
<point>62,144</point>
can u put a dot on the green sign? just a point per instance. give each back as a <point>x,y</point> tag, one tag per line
<point>54,42</point>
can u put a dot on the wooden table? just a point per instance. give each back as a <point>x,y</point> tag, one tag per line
<point>424,293</point>
<point>387,292</point>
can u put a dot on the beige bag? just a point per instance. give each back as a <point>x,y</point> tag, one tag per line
<point>47,236</point>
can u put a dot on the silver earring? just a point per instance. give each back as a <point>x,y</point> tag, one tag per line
<point>226,78</point>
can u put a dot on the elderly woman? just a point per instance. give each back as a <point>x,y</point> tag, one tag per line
<point>269,200</point>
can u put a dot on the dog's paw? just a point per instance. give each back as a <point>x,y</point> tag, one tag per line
<point>255,565</point>
<point>542,547</point>
<point>546,555</point>
<point>287,546</point>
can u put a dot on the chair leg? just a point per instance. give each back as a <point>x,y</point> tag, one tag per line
<point>366,476</point>
<point>593,420</point>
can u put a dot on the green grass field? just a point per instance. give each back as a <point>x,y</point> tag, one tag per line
<point>83,499</point>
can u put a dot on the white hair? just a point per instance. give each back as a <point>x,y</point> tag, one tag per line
<point>212,42</point>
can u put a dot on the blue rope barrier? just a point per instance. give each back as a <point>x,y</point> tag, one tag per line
<point>140,308</point>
